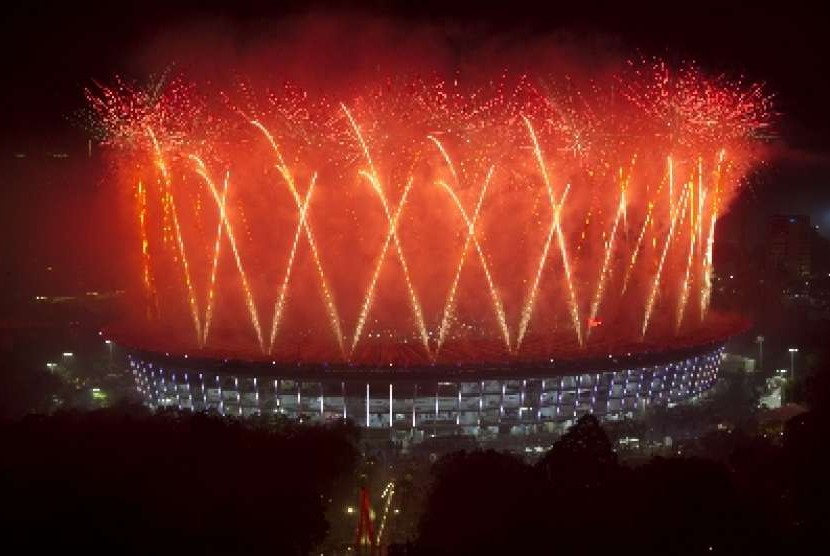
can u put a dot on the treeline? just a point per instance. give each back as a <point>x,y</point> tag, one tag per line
<point>765,497</point>
<point>129,482</point>
<point>124,481</point>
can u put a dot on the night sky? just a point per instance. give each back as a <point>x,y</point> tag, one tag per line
<point>51,52</point>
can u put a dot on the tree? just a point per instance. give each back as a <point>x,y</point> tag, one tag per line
<point>694,506</point>
<point>128,482</point>
<point>582,458</point>
<point>479,503</point>
<point>26,388</point>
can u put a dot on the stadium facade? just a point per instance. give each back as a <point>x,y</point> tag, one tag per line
<point>479,400</point>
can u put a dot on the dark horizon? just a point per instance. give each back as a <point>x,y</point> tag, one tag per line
<point>67,47</point>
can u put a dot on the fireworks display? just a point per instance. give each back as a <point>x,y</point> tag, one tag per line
<point>414,221</point>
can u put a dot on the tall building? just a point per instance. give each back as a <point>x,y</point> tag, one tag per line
<point>788,246</point>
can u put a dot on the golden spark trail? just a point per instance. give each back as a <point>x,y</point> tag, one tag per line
<point>449,305</point>
<point>147,278</point>
<point>701,197</point>
<point>684,292</point>
<point>201,169</point>
<point>446,156</point>
<point>574,305</point>
<point>497,305</point>
<point>670,163</point>
<point>603,273</point>
<point>695,226</point>
<point>527,310</point>
<point>569,281</point>
<point>658,274</point>
<point>328,298</point>
<point>633,262</point>
<point>360,139</point>
<point>648,219</point>
<point>373,178</point>
<point>389,492</point>
<point>494,294</point>
<point>609,248</point>
<point>191,293</point>
<point>393,226</point>
<point>706,287</point>
<point>696,200</point>
<point>280,303</point>
<point>213,270</point>
<point>370,291</point>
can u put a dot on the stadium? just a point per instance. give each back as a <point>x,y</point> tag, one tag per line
<point>482,400</point>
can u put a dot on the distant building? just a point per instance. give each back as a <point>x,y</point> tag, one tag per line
<point>788,246</point>
<point>737,363</point>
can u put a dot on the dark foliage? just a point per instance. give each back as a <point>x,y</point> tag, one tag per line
<point>579,500</point>
<point>581,459</point>
<point>806,467</point>
<point>473,480</point>
<point>125,482</point>
<point>25,387</point>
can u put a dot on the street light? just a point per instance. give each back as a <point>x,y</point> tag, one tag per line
<point>109,345</point>
<point>760,341</point>
<point>792,351</point>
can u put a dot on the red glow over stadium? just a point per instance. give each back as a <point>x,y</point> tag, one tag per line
<point>424,221</point>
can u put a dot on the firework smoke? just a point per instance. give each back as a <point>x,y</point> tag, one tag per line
<point>422,218</point>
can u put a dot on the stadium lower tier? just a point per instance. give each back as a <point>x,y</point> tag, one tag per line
<point>456,403</point>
